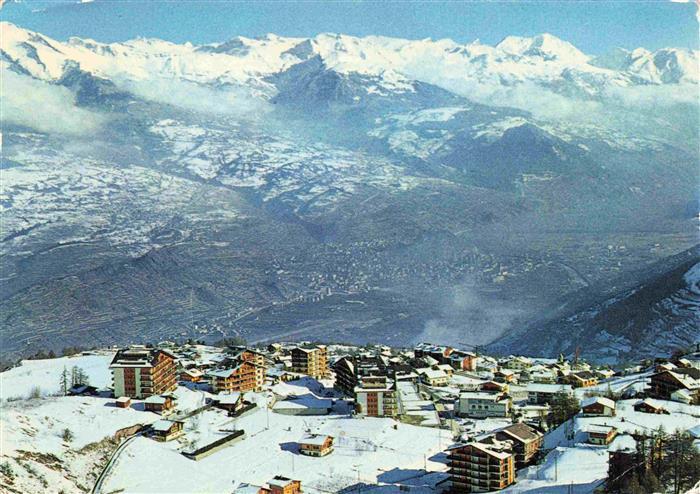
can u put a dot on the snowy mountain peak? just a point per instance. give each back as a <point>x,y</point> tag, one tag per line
<point>542,60</point>
<point>544,45</point>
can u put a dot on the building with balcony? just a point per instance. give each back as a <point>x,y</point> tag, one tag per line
<point>140,372</point>
<point>480,405</point>
<point>480,467</point>
<point>526,440</point>
<point>376,396</point>
<point>241,371</point>
<point>311,360</point>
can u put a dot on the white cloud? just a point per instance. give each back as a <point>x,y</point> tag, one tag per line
<point>43,107</point>
<point>190,96</point>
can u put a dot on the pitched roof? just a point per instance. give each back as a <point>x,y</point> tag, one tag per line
<point>162,425</point>
<point>599,400</point>
<point>315,439</point>
<point>522,432</point>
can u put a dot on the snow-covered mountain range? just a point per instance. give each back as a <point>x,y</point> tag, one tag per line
<point>331,184</point>
<point>544,60</point>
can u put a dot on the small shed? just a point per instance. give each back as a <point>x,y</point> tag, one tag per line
<point>123,402</point>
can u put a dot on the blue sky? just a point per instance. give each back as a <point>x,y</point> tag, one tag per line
<point>593,26</point>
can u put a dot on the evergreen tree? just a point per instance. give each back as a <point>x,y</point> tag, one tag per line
<point>633,486</point>
<point>64,381</point>
<point>564,406</point>
<point>651,482</point>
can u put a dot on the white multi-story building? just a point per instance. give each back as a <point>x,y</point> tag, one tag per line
<point>479,405</point>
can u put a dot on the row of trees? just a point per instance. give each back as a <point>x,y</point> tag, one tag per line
<point>76,377</point>
<point>663,463</point>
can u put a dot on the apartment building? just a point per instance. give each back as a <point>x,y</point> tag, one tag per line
<point>311,360</point>
<point>526,440</point>
<point>241,371</point>
<point>376,396</point>
<point>140,372</point>
<point>480,405</point>
<point>481,467</point>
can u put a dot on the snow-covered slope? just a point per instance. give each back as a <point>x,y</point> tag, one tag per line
<point>655,317</point>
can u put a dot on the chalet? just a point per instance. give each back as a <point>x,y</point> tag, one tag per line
<point>481,405</point>
<point>192,375</point>
<point>433,377</point>
<point>282,485</point>
<point>231,402</point>
<point>539,374</point>
<point>446,368</point>
<point>468,464</point>
<point>165,430</point>
<point>526,440</point>
<point>376,397</point>
<point>539,394</point>
<point>664,384</point>
<point>665,366</point>
<point>316,445</point>
<point>597,406</point>
<point>604,373</point>
<point>517,363</point>
<point>582,379</point>
<point>493,386</point>
<point>140,372</point>
<point>682,396</point>
<point>600,435</point>
<point>123,402</point>
<point>311,360</point>
<point>650,406</point>
<point>504,376</point>
<point>159,403</point>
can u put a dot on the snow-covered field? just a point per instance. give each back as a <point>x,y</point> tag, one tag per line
<point>45,374</point>
<point>373,450</point>
<point>34,444</point>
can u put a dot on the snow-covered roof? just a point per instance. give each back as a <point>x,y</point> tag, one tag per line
<point>228,399</point>
<point>224,373</point>
<point>623,442</point>
<point>695,431</point>
<point>155,400</point>
<point>433,374</point>
<point>476,395</point>
<point>548,388</point>
<point>123,399</point>
<point>598,429</point>
<point>598,400</point>
<point>246,489</point>
<point>162,425</point>
<point>314,439</point>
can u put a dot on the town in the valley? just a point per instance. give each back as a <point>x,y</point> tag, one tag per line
<point>286,418</point>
